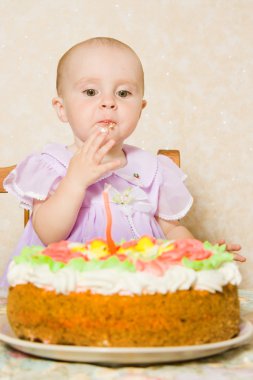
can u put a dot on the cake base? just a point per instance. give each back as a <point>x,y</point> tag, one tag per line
<point>186,317</point>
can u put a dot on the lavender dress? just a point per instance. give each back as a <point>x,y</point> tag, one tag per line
<point>146,187</point>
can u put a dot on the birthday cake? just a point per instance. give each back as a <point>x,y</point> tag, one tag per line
<point>147,292</point>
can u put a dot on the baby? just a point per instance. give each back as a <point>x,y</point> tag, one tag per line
<point>100,88</point>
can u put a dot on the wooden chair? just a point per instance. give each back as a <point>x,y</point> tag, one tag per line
<point>4,171</point>
<point>174,155</point>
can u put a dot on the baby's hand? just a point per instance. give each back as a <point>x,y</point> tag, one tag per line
<point>86,166</point>
<point>233,248</point>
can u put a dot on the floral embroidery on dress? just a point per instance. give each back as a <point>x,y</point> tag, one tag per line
<point>130,200</point>
<point>124,197</point>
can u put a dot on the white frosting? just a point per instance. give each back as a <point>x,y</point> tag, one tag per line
<point>110,281</point>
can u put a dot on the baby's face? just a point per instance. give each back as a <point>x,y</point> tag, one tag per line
<point>102,85</point>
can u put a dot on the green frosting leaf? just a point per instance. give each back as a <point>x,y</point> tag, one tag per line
<point>213,262</point>
<point>33,256</point>
<point>216,248</point>
<point>27,253</point>
<point>112,262</point>
<point>78,264</point>
<point>54,265</point>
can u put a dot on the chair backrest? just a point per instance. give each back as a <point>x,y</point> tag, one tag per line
<point>173,154</point>
<point>4,171</point>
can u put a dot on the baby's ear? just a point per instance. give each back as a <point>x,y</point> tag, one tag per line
<point>60,109</point>
<point>144,103</point>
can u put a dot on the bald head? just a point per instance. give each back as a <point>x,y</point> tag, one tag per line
<point>83,47</point>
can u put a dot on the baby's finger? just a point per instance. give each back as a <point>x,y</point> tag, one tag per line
<point>230,247</point>
<point>89,143</point>
<point>98,143</point>
<point>110,166</point>
<point>233,247</point>
<point>103,150</point>
<point>240,258</point>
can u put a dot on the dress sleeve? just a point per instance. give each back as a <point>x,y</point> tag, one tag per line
<point>174,199</point>
<point>36,177</point>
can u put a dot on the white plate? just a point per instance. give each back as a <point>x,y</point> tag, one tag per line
<point>121,355</point>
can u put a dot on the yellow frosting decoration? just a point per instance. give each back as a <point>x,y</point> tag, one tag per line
<point>168,246</point>
<point>98,248</point>
<point>144,243</point>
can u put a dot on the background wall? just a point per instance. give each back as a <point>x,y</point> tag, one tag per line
<point>198,62</point>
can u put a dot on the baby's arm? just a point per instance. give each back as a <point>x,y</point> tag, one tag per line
<point>174,230</point>
<point>54,218</point>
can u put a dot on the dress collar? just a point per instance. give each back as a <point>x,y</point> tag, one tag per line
<point>141,166</point>
<point>140,169</point>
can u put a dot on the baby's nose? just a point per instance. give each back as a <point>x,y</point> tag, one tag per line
<point>108,103</point>
<point>108,106</point>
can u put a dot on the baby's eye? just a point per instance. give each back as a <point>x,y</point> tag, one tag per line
<point>123,93</point>
<point>90,92</point>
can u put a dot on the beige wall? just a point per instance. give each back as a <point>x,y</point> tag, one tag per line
<point>197,57</point>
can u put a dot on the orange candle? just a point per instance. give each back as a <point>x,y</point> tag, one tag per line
<point>111,245</point>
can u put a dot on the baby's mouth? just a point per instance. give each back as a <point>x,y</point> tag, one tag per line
<point>107,125</point>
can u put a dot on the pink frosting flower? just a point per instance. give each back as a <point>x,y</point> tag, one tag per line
<point>190,248</point>
<point>60,252</point>
<point>155,267</point>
